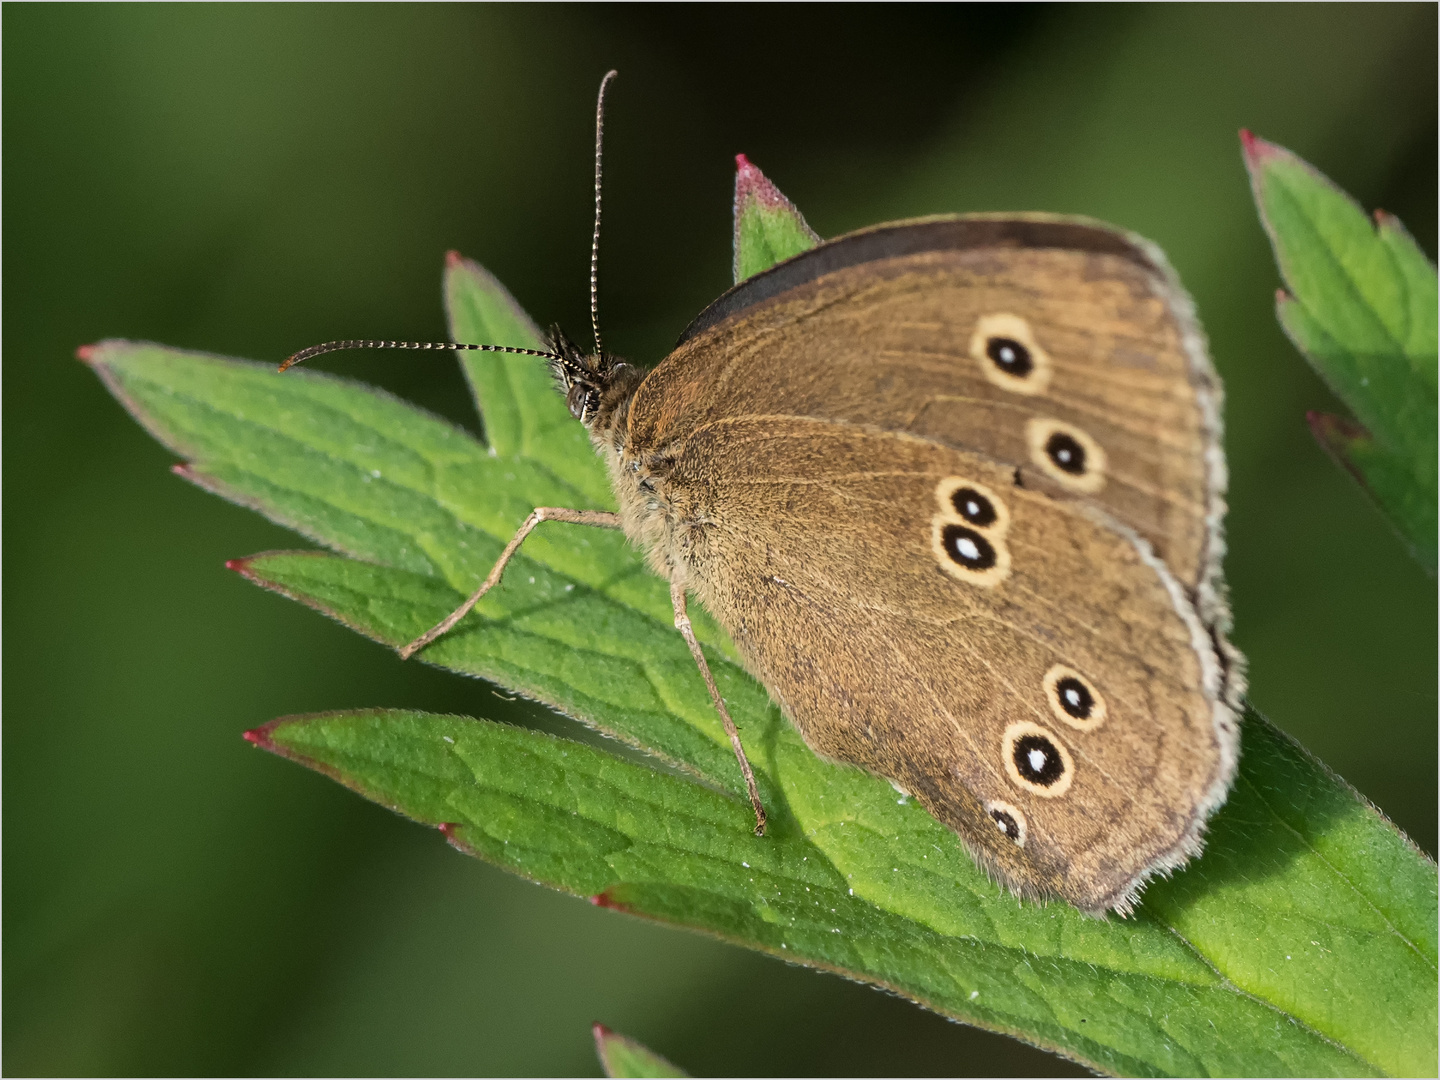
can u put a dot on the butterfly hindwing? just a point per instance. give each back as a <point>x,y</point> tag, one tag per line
<point>1054,714</point>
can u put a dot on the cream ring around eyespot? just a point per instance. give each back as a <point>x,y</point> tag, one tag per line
<point>1048,768</point>
<point>986,504</point>
<point>1066,454</point>
<point>967,553</point>
<point>1008,819</point>
<point>1064,686</point>
<point>993,345</point>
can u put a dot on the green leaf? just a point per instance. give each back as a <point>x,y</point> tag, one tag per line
<point>1197,985</point>
<point>622,1056</point>
<point>1303,942</point>
<point>524,417</point>
<point>1362,308</point>
<point>768,227</point>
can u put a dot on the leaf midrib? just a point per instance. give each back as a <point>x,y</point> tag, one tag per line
<point>1226,983</point>
<point>1309,846</point>
<point>1352,286</point>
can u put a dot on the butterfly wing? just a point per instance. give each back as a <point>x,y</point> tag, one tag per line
<point>1022,664</point>
<point>1062,348</point>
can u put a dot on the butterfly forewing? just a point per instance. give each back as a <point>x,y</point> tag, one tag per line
<point>988,340</point>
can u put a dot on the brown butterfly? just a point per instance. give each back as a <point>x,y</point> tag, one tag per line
<point>955,488</point>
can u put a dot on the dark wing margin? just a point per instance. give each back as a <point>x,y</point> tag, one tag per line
<point>948,233</point>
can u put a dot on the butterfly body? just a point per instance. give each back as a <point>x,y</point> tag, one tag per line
<point>954,488</point>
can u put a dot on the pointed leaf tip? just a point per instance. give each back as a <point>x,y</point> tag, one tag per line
<point>260,736</point>
<point>1257,150</point>
<point>605,900</point>
<point>1359,303</point>
<point>768,226</point>
<point>751,183</point>
<point>85,354</point>
<point>454,259</point>
<point>240,566</point>
<point>622,1056</point>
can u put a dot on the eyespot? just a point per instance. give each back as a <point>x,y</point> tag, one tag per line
<point>1066,454</point>
<point>1073,698</point>
<point>968,502</point>
<point>968,535</point>
<point>969,555</point>
<point>1008,819</point>
<point>1006,350</point>
<point>973,507</point>
<point>968,548</point>
<point>1010,356</point>
<point>1036,760</point>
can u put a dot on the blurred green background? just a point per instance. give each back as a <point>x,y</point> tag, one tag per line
<point>252,179</point>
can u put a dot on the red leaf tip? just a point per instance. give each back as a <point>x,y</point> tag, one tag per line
<point>260,736</point>
<point>751,183</point>
<point>605,900</point>
<point>238,565</point>
<point>600,1031</point>
<point>1256,149</point>
<point>85,354</point>
<point>453,259</point>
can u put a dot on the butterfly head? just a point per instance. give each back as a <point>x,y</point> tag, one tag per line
<point>594,384</point>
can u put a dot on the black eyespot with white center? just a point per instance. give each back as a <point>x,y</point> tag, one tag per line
<point>1010,356</point>
<point>1038,760</point>
<point>973,507</point>
<point>1075,697</point>
<point>1035,759</point>
<point>1008,825</point>
<point>968,548</point>
<point>1066,452</point>
<point>1008,819</point>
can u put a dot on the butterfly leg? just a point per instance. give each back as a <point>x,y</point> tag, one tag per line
<point>682,623</point>
<point>601,518</point>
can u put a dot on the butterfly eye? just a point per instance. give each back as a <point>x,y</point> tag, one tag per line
<point>1008,819</point>
<point>1036,761</point>
<point>1073,698</point>
<point>973,507</point>
<point>1066,453</point>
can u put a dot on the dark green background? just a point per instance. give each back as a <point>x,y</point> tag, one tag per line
<point>252,179</point>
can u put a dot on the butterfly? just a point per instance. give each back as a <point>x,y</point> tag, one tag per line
<point>955,488</point>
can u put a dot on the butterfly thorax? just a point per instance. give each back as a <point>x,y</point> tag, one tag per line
<point>599,389</point>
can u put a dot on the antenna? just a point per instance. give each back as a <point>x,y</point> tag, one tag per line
<point>363,343</point>
<point>360,343</point>
<point>595,237</point>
